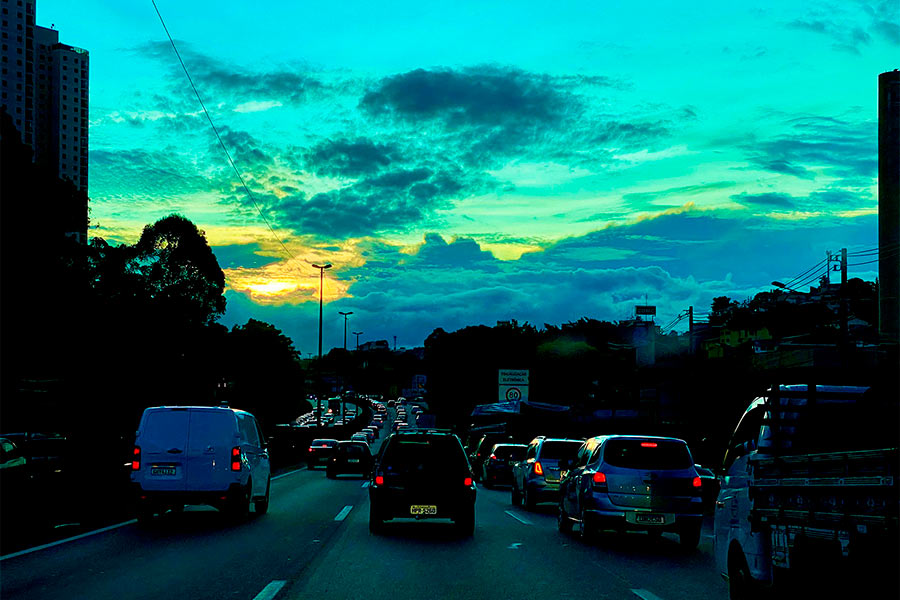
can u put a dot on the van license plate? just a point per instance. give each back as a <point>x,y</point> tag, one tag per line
<point>423,509</point>
<point>660,519</point>
<point>170,471</point>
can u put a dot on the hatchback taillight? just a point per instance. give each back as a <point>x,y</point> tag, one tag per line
<point>697,483</point>
<point>136,459</point>
<point>236,458</point>
<point>598,481</point>
<point>467,482</point>
<point>538,469</point>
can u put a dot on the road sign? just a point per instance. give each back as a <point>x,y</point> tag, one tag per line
<point>644,310</point>
<point>513,385</point>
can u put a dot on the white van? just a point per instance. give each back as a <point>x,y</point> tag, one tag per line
<point>199,455</point>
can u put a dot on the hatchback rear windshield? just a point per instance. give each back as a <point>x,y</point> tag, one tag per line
<point>557,450</point>
<point>329,443</point>
<point>423,454</point>
<point>352,449</point>
<point>514,452</point>
<point>647,454</point>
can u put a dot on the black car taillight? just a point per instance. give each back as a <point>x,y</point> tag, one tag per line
<point>598,481</point>
<point>136,459</point>
<point>236,458</point>
<point>697,485</point>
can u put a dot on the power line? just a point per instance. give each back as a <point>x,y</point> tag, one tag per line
<point>791,282</point>
<point>869,262</point>
<point>219,137</point>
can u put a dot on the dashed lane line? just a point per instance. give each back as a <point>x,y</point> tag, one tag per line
<point>518,518</point>
<point>67,540</point>
<point>344,512</point>
<point>645,595</point>
<point>270,591</point>
<point>288,473</point>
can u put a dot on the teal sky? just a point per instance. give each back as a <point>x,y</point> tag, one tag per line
<point>463,163</point>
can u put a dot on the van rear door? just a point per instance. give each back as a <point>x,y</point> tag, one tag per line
<point>212,435</point>
<point>163,440</point>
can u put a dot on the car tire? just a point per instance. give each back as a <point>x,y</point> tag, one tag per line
<point>465,523</point>
<point>261,505</point>
<point>528,499</point>
<point>588,531</point>
<point>239,504</point>
<point>563,522</point>
<point>740,582</point>
<point>689,536</point>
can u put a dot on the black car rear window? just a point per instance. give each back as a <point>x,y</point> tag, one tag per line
<point>557,450</point>
<point>647,454</point>
<point>352,449</point>
<point>513,452</point>
<point>419,454</point>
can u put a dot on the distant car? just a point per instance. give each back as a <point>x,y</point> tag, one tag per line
<point>398,425</point>
<point>481,449</point>
<point>498,466</point>
<point>199,455</point>
<point>374,430</point>
<point>638,483</point>
<point>352,457</point>
<point>536,479</point>
<point>709,489</point>
<point>359,437</point>
<point>319,452</point>
<point>422,475</point>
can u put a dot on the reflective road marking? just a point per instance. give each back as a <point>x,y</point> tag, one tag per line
<point>645,595</point>
<point>518,518</point>
<point>67,540</point>
<point>270,590</point>
<point>343,514</point>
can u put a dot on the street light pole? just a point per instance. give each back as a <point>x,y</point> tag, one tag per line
<point>345,326</point>
<point>357,334</point>
<point>321,269</point>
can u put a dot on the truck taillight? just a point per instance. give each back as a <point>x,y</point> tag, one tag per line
<point>538,469</point>
<point>236,458</point>
<point>136,459</point>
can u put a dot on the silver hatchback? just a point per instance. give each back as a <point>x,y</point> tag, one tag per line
<point>639,483</point>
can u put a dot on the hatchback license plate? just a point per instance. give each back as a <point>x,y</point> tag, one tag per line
<point>660,519</point>
<point>423,509</point>
<point>162,471</point>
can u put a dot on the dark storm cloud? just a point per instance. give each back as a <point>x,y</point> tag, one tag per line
<point>346,158</point>
<point>489,96</point>
<point>289,84</point>
<point>246,150</point>
<point>844,149</point>
<point>773,199</point>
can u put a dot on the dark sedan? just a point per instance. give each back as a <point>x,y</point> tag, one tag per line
<point>350,457</point>
<point>319,452</point>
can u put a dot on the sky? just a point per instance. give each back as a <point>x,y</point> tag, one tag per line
<point>462,163</point>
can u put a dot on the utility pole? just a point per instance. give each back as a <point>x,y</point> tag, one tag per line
<point>845,333</point>
<point>690,329</point>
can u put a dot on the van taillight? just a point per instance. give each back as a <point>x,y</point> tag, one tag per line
<point>136,459</point>
<point>538,469</point>
<point>236,458</point>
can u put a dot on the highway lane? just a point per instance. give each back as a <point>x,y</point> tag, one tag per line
<point>515,554</point>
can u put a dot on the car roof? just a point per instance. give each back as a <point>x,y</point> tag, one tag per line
<point>637,437</point>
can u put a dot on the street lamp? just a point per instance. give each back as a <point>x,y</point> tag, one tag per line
<point>357,334</point>
<point>321,269</point>
<point>345,326</point>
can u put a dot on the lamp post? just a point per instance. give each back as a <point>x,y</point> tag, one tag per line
<point>345,326</point>
<point>321,269</point>
<point>357,334</point>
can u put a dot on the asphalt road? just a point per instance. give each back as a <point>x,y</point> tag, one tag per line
<point>310,545</point>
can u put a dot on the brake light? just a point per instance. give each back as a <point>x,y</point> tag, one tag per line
<point>494,457</point>
<point>538,469</point>
<point>468,482</point>
<point>136,459</point>
<point>697,482</point>
<point>236,458</point>
<point>599,477</point>
<point>379,480</point>
<point>648,444</point>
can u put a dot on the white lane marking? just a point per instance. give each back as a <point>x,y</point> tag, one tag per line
<point>344,512</point>
<point>67,540</point>
<point>365,484</point>
<point>288,473</point>
<point>645,595</point>
<point>270,590</point>
<point>514,546</point>
<point>518,518</point>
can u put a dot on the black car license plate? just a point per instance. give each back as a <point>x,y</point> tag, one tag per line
<point>423,509</point>
<point>657,519</point>
<point>163,471</point>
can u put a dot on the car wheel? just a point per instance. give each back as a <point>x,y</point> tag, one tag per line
<point>740,582</point>
<point>587,532</point>
<point>689,537</point>
<point>262,505</point>
<point>528,498</point>
<point>465,523</point>
<point>376,523</point>
<point>240,503</point>
<point>563,522</point>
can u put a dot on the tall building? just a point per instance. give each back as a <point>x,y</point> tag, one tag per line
<point>44,89</point>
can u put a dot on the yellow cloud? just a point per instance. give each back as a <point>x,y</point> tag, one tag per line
<point>286,282</point>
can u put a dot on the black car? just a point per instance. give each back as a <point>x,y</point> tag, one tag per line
<point>481,449</point>
<point>350,457</point>
<point>422,475</point>
<point>498,466</point>
<point>319,452</point>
